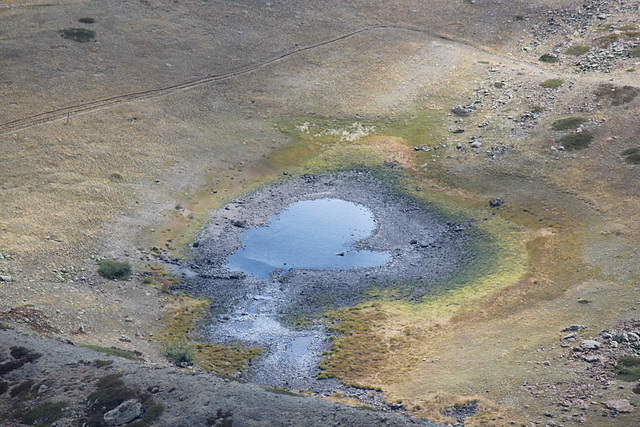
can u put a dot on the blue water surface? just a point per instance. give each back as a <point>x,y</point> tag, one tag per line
<point>311,234</point>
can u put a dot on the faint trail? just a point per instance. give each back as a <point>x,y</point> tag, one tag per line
<point>74,110</point>
<point>86,107</point>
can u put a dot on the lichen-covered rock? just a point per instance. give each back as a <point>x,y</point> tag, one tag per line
<point>126,412</point>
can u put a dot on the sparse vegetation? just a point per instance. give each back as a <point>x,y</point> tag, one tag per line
<point>577,49</point>
<point>576,141</point>
<point>618,95</point>
<point>568,123</point>
<point>628,27</point>
<point>86,20</point>
<point>116,177</point>
<point>628,368</point>
<point>44,415</point>
<point>552,83</point>
<point>80,35</point>
<point>498,85</point>
<point>635,52</point>
<point>110,392</point>
<point>111,269</point>
<point>548,58</point>
<point>112,351</point>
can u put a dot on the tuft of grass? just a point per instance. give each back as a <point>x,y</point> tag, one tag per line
<point>113,351</point>
<point>577,49</point>
<point>498,85</point>
<point>519,18</point>
<point>576,141</point>
<point>101,363</point>
<point>116,177</point>
<point>80,35</point>
<point>552,83</point>
<point>635,52</point>
<point>548,58</point>
<point>605,41</point>
<point>628,368</point>
<point>630,70</point>
<point>568,123</point>
<point>44,415</point>
<point>86,20</point>
<point>180,351</point>
<point>633,159</point>
<point>111,269</point>
<point>630,151</point>
<point>632,34</point>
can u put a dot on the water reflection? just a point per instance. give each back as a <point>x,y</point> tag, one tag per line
<point>312,234</point>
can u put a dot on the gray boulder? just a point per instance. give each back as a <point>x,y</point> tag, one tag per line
<point>126,412</point>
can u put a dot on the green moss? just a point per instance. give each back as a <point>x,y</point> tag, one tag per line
<point>113,351</point>
<point>44,415</point>
<point>80,35</point>
<point>113,270</point>
<point>577,49</point>
<point>552,83</point>
<point>576,141</point>
<point>628,368</point>
<point>568,123</point>
<point>550,59</point>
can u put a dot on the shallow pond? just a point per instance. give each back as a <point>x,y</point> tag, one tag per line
<point>311,234</point>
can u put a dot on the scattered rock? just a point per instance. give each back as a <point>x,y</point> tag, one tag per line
<point>574,328</point>
<point>125,338</point>
<point>571,337</point>
<point>6,279</point>
<point>622,405</point>
<point>590,344</point>
<point>496,202</point>
<point>126,412</point>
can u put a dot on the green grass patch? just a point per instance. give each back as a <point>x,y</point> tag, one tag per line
<point>483,62</point>
<point>577,49</point>
<point>113,351</point>
<point>44,415</point>
<point>548,58</point>
<point>519,18</point>
<point>628,368</point>
<point>80,35</point>
<point>498,85</point>
<point>110,269</point>
<point>86,20</point>
<point>568,123</point>
<point>552,83</point>
<point>635,52</point>
<point>576,141</point>
<point>630,151</point>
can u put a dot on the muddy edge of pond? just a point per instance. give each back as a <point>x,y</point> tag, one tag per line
<point>423,247</point>
<point>424,250</point>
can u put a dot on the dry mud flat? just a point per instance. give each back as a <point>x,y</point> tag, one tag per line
<point>424,249</point>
